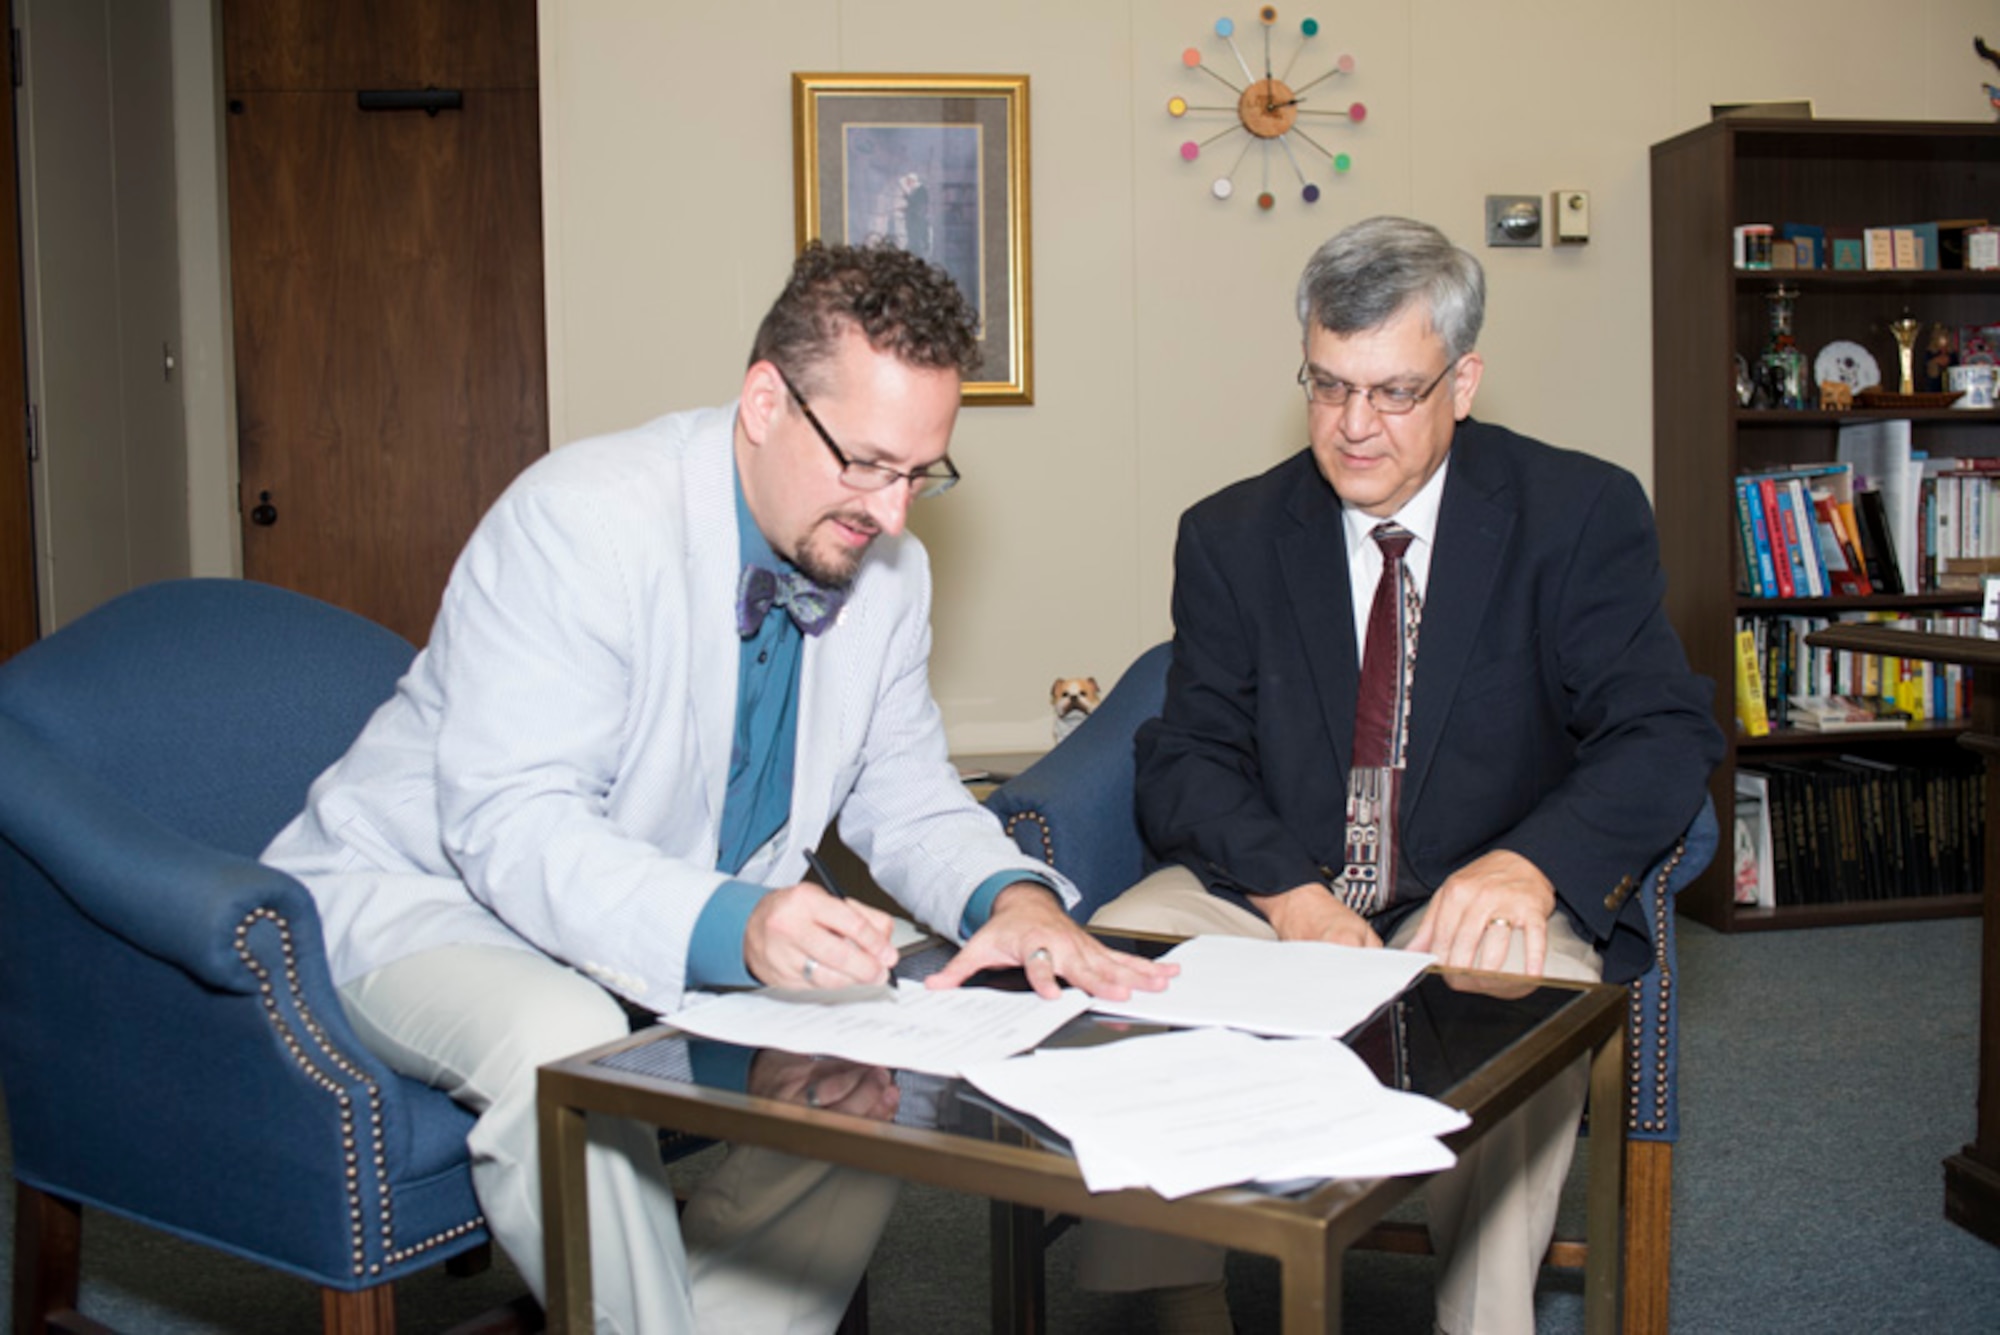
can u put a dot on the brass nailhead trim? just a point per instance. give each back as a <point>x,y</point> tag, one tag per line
<point>307,1063</point>
<point>1041,828</point>
<point>1662,906</point>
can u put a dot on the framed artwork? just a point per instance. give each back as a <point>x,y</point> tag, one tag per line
<point>937,164</point>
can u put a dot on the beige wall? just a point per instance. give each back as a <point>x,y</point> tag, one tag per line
<point>1164,339</point>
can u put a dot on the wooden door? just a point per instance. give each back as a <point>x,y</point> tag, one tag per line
<point>387,273</point>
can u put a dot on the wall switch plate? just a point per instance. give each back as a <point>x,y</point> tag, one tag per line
<point>1513,220</point>
<point>1569,216</point>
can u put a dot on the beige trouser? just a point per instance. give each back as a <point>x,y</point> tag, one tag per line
<point>1491,1216</point>
<point>773,1243</point>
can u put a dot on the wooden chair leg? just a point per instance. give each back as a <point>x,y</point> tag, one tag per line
<point>476,1261</point>
<point>1649,1221</point>
<point>362,1312</point>
<point>48,1249</point>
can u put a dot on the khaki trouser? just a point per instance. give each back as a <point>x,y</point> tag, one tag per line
<point>773,1243</point>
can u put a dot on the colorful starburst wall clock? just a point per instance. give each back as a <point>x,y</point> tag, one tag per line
<point>1272,114</point>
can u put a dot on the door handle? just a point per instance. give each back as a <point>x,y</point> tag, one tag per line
<point>429,100</point>
<point>264,514</point>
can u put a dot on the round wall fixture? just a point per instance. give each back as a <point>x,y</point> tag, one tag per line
<point>1272,114</point>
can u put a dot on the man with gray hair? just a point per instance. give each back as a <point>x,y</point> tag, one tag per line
<point>1423,693</point>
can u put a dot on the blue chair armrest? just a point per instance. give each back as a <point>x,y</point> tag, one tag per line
<point>166,895</point>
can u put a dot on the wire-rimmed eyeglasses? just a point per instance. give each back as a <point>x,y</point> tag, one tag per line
<point>930,480</point>
<point>1386,400</point>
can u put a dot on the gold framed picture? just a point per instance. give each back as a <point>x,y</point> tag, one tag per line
<point>937,164</point>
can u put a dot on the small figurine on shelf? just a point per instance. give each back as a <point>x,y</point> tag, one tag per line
<point>1835,396</point>
<point>1988,53</point>
<point>1940,349</point>
<point>1783,366</point>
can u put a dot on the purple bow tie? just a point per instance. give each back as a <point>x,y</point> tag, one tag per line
<point>811,608</point>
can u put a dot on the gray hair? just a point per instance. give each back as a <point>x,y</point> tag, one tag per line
<point>1371,270</point>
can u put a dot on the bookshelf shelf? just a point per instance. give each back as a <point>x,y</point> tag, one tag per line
<point>1847,915</point>
<point>1880,602</point>
<point>1752,419</point>
<point>1808,281</point>
<point>1800,739</point>
<point>1835,174</point>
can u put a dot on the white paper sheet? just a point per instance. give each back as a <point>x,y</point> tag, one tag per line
<point>1301,989</point>
<point>1188,1111</point>
<point>938,1033</point>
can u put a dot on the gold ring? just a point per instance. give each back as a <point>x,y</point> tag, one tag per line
<point>1501,923</point>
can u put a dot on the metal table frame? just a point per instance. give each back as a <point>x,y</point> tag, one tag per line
<point>1306,1234</point>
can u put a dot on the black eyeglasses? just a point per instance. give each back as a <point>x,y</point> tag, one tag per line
<point>1386,400</point>
<point>930,480</point>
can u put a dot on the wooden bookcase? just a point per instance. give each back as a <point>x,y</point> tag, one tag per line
<point>1833,173</point>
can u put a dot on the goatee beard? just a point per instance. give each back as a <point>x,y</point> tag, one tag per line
<point>839,571</point>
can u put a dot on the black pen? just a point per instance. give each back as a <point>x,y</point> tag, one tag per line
<point>826,880</point>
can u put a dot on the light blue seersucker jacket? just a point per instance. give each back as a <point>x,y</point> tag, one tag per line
<point>549,774</point>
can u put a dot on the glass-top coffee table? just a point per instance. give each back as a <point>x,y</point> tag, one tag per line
<point>1479,1042</point>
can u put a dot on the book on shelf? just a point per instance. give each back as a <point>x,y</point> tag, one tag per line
<point>1841,560</point>
<point>1878,545</point>
<point>1755,882</point>
<point>1847,713</point>
<point>1782,560</point>
<point>1801,546</point>
<point>1750,712</point>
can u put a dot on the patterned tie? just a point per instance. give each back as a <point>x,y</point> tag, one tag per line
<point>811,607</point>
<point>1381,727</point>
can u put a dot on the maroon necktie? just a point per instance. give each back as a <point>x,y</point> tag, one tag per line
<point>1381,725</point>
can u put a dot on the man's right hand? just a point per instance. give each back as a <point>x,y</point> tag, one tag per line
<point>1310,912</point>
<point>801,936</point>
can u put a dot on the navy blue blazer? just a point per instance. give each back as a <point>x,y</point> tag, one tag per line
<point>1553,711</point>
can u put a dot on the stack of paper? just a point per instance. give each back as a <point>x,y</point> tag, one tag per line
<point>1189,1111</point>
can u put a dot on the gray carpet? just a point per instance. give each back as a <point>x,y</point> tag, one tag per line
<point>1825,1074</point>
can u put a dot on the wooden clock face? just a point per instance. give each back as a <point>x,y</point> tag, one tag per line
<point>1272,114</point>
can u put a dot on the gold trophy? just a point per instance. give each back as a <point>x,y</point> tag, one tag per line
<point>1906,331</point>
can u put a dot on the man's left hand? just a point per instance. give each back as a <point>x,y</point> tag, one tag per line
<point>1030,930</point>
<point>1472,918</point>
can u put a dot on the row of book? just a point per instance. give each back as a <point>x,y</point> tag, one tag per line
<point>1855,829</point>
<point>1951,243</point>
<point>1963,519</point>
<point>1823,530</point>
<point>1807,532</point>
<point>1783,682</point>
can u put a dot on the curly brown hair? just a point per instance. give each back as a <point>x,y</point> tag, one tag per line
<point>903,305</point>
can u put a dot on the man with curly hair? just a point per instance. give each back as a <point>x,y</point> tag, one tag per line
<point>665,662</point>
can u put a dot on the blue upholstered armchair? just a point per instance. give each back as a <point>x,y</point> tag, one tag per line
<point>170,1040</point>
<point>1073,809</point>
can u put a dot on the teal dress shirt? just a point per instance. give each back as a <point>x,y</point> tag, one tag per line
<point>758,799</point>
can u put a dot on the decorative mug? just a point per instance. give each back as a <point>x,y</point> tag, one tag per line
<point>1980,383</point>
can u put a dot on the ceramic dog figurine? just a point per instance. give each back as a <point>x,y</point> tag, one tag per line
<point>1072,698</point>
